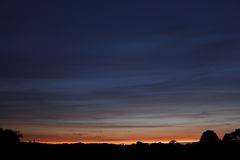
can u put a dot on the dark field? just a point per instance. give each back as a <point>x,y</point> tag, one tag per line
<point>138,151</point>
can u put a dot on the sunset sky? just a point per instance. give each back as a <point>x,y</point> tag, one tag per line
<point>119,71</point>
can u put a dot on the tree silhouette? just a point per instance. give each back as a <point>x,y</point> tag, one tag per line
<point>209,136</point>
<point>234,136</point>
<point>8,136</point>
<point>173,141</point>
<point>228,137</point>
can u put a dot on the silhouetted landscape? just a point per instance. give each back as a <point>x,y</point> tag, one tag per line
<point>120,79</point>
<point>208,147</point>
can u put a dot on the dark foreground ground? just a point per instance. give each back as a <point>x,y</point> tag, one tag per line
<point>140,151</point>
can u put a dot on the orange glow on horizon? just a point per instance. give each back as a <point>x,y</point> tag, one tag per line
<point>112,142</point>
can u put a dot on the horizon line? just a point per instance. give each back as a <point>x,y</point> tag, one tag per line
<point>110,142</point>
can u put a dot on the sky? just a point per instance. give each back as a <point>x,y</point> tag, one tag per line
<point>119,71</point>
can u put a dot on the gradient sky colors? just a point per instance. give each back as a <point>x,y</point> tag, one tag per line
<point>119,71</point>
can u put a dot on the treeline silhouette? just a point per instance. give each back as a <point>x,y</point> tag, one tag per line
<point>210,146</point>
<point>8,136</point>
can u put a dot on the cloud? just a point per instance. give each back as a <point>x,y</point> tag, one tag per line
<point>70,64</point>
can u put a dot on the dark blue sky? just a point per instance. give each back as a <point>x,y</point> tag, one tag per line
<point>119,70</point>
